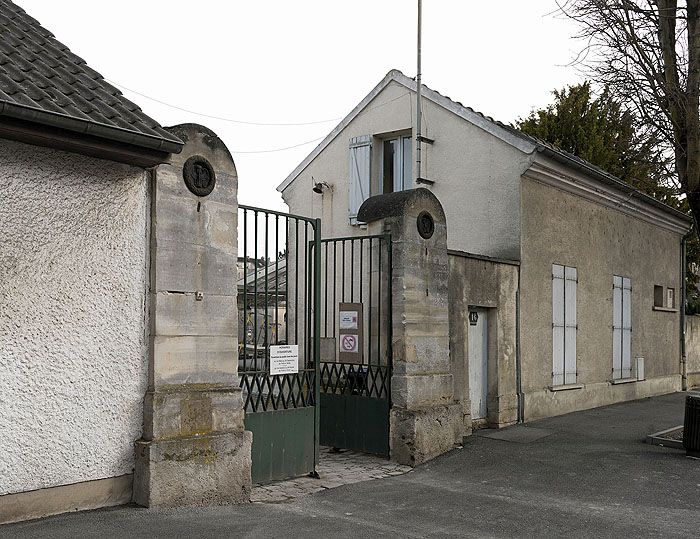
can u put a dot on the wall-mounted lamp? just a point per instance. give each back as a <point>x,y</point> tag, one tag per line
<point>320,187</point>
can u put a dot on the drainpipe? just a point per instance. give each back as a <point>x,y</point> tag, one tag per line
<point>684,365</point>
<point>518,370</point>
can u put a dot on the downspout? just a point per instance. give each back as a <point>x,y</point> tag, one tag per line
<point>518,368</point>
<point>684,364</point>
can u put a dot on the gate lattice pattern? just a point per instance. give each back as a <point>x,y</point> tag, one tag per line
<point>264,393</point>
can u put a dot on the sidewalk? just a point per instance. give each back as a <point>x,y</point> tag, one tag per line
<point>583,473</point>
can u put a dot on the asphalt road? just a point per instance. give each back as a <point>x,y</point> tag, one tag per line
<point>590,475</point>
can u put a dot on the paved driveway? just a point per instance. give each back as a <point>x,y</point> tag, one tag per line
<point>584,473</point>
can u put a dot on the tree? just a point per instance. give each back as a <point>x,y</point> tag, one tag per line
<point>647,52</point>
<point>602,131</point>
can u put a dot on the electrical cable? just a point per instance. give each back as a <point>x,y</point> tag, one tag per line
<point>223,119</point>
<point>281,149</point>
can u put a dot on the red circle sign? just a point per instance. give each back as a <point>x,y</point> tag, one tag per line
<point>349,343</point>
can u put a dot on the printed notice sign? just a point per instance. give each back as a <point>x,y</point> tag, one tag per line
<point>284,359</point>
<point>348,319</point>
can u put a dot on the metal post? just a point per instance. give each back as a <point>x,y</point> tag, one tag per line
<point>418,93</point>
<point>317,342</point>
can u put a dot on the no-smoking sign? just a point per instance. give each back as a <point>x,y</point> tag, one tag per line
<point>348,343</point>
<point>350,330</point>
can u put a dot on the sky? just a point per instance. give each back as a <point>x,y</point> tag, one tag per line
<point>309,62</point>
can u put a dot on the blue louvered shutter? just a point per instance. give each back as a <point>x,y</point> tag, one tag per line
<point>359,164</point>
<point>571,324</point>
<point>558,325</point>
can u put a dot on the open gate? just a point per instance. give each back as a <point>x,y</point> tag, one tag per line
<point>356,354</point>
<point>278,299</point>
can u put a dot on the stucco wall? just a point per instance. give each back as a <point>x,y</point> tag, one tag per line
<point>482,283</point>
<point>73,359</point>
<point>562,228</point>
<point>476,175</point>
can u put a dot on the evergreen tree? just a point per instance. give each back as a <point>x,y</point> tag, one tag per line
<point>604,133</point>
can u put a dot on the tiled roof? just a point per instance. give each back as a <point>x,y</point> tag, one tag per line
<point>42,81</point>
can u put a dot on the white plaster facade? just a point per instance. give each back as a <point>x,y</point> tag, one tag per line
<point>73,346</point>
<point>472,171</point>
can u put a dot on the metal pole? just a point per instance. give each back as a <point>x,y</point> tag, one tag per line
<point>317,343</point>
<point>418,92</point>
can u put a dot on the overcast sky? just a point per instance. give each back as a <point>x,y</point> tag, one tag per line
<point>284,61</point>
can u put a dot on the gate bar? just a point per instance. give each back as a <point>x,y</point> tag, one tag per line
<point>317,343</point>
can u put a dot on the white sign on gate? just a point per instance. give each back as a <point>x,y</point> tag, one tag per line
<point>348,319</point>
<point>284,359</point>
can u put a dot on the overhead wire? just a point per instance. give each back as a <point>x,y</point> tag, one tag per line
<point>221,118</point>
<point>272,150</point>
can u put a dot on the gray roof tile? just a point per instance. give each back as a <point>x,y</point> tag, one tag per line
<point>38,73</point>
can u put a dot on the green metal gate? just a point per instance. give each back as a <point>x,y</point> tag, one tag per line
<point>278,299</point>
<point>356,391</point>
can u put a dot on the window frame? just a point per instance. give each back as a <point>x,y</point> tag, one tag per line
<point>405,183</point>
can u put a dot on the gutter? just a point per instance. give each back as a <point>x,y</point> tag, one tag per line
<point>603,177</point>
<point>90,127</point>
<point>518,364</point>
<point>684,356</point>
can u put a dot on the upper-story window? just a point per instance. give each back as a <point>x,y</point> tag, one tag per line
<point>397,172</point>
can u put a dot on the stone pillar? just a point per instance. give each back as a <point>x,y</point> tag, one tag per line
<point>194,449</point>
<point>425,419</point>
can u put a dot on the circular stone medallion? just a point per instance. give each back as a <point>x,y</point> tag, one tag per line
<point>426,225</point>
<point>199,175</point>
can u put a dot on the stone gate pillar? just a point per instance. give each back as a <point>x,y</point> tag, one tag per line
<point>425,419</point>
<point>194,449</point>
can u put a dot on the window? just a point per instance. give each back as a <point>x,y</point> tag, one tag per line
<point>359,166</point>
<point>397,172</point>
<point>622,327</point>
<point>658,296</point>
<point>564,327</point>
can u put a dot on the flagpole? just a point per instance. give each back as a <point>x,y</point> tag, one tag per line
<point>418,95</point>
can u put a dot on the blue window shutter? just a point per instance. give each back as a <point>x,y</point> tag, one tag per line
<point>617,327</point>
<point>626,328</point>
<point>558,325</point>
<point>359,164</point>
<point>570,286</point>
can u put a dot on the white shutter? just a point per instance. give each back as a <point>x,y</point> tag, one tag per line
<point>626,328</point>
<point>557,325</point>
<point>617,327</point>
<point>359,170</point>
<point>571,281</point>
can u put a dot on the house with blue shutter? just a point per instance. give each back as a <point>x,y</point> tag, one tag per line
<point>565,283</point>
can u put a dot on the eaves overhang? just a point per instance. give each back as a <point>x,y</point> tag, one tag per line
<point>576,178</point>
<point>90,128</point>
